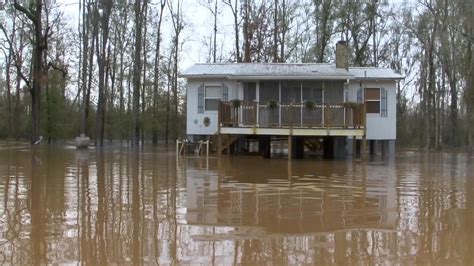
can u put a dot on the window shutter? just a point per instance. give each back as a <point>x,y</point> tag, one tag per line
<point>225,93</point>
<point>383,102</point>
<point>201,99</point>
<point>359,95</point>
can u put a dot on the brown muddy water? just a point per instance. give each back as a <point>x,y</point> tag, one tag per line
<point>117,206</point>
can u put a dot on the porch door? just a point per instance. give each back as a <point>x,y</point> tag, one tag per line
<point>250,93</point>
<point>312,92</point>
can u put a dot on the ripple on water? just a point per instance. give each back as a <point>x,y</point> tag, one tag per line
<point>114,206</point>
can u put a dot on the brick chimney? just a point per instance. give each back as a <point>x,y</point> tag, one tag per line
<point>342,60</point>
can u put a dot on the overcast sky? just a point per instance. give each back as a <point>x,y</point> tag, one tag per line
<point>198,21</point>
<point>198,28</point>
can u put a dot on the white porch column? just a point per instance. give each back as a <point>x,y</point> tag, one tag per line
<point>240,90</point>
<point>301,102</point>
<point>257,99</point>
<point>279,101</point>
<point>257,91</point>
<point>323,102</point>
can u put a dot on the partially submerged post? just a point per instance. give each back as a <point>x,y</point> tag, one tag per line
<point>177,148</point>
<point>364,120</point>
<point>290,148</point>
<point>181,147</point>
<point>219,137</point>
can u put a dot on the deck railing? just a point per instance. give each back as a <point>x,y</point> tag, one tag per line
<point>297,115</point>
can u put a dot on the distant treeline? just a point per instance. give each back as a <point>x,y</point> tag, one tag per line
<point>115,74</point>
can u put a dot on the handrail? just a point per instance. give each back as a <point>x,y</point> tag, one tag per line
<point>294,115</point>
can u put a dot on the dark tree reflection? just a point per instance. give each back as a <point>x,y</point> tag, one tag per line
<point>116,206</point>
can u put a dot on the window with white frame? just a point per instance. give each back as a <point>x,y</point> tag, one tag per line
<point>372,100</point>
<point>212,96</point>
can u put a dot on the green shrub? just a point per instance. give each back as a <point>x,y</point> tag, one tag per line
<point>236,103</point>
<point>272,104</point>
<point>309,105</point>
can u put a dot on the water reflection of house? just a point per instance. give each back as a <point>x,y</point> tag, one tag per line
<point>201,197</point>
<point>297,205</point>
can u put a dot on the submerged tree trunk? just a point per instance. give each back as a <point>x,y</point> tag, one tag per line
<point>89,81</point>
<point>111,105</point>
<point>176,18</point>
<point>470,96</point>
<point>18,62</point>
<point>85,52</point>
<point>8,89</point>
<point>9,58</point>
<point>453,114</point>
<point>137,66</point>
<point>168,100</point>
<point>106,6</point>
<point>39,71</point>
<point>431,76</point>
<point>156,79</point>
<point>145,54</point>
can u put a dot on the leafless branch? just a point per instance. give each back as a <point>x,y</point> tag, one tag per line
<point>25,11</point>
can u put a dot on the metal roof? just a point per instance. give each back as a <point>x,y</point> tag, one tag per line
<point>262,71</point>
<point>361,73</point>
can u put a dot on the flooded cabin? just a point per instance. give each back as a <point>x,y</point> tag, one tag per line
<point>327,109</point>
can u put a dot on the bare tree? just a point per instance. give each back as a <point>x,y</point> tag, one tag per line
<point>324,13</point>
<point>122,42</point>
<point>177,22</point>
<point>34,13</point>
<point>234,7</point>
<point>9,60</point>
<point>466,11</point>
<point>247,29</point>
<point>137,68</point>
<point>156,78</point>
<point>103,11</point>
<point>144,68</point>
<point>85,34</point>
<point>275,32</point>
<point>356,24</point>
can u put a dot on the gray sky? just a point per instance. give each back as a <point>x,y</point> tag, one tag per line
<point>198,21</point>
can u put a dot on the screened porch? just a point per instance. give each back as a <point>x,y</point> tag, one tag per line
<point>292,104</point>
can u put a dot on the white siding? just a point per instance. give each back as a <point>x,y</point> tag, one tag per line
<point>378,127</point>
<point>194,120</point>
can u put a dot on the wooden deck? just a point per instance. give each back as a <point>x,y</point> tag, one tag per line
<point>295,119</point>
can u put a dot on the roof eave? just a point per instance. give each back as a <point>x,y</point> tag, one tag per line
<point>378,78</point>
<point>260,77</point>
<point>281,77</point>
<point>200,76</point>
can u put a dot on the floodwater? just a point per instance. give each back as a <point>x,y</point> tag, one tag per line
<point>119,206</point>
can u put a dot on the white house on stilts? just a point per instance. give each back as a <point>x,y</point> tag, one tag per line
<point>339,108</point>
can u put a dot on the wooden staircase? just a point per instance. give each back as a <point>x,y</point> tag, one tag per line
<point>312,145</point>
<point>227,141</point>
